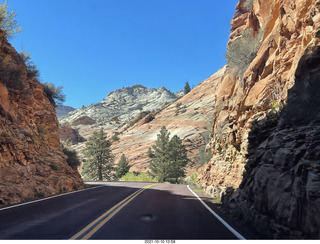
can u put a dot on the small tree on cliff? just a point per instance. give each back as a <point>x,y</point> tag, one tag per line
<point>122,167</point>
<point>187,88</point>
<point>170,157</point>
<point>8,23</point>
<point>99,164</point>
<point>54,93</point>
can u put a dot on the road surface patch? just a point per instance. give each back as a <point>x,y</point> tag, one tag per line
<point>95,225</point>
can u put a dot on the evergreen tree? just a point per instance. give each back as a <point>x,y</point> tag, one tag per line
<point>170,157</point>
<point>99,164</point>
<point>150,153</point>
<point>122,167</point>
<point>178,158</point>
<point>187,88</point>
<point>160,162</point>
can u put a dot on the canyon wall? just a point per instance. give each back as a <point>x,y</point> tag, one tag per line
<point>265,159</point>
<point>32,164</point>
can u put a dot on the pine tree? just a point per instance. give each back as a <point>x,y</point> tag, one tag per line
<point>187,88</point>
<point>99,164</point>
<point>170,157</point>
<point>178,158</point>
<point>160,162</point>
<point>122,167</point>
<point>150,153</point>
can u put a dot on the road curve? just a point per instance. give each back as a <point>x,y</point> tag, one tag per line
<point>115,211</point>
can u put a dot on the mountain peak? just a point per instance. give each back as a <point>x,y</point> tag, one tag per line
<point>124,103</point>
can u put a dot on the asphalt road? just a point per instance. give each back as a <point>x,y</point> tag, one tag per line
<point>125,211</point>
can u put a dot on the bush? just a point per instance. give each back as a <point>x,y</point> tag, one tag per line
<point>142,177</point>
<point>9,74</point>
<point>242,51</point>
<point>54,93</point>
<point>203,157</point>
<point>248,4</point>
<point>115,136</point>
<point>32,70</point>
<point>73,159</point>
<point>7,21</point>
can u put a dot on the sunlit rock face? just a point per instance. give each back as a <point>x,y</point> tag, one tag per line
<point>32,164</point>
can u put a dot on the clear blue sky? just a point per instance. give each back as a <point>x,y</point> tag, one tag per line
<point>92,47</point>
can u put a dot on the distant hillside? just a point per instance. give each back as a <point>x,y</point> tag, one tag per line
<point>63,110</point>
<point>123,104</point>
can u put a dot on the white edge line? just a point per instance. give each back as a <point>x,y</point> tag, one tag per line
<point>218,217</point>
<point>47,198</point>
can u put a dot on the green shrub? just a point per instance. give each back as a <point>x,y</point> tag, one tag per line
<point>7,21</point>
<point>248,4</point>
<point>203,157</point>
<point>9,74</point>
<point>54,93</point>
<point>32,70</point>
<point>72,156</point>
<point>242,50</point>
<point>54,167</point>
<point>115,136</point>
<point>142,177</point>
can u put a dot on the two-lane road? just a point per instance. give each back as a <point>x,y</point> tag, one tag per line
<point>115,211</point>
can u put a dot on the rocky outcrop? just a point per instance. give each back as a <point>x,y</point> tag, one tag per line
<point>32,163</point>
<point>274,163</point>
<point>62,110</point>
<point>188,117</point>
<point>123,104</point>
<point>280,191</point>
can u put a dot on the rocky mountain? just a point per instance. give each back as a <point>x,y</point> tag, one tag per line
<point>32,164</point>
<point>123,104</point>
<point>265,133</point>
<point>187,116</point>
<point>62,110</point>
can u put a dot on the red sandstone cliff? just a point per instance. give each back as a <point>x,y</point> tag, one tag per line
<point>271,159</point>
<point>32,163</point>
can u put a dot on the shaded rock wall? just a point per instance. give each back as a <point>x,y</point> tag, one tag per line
<point>32,164</point>
<point>291,33</point>
<point>280,191</point>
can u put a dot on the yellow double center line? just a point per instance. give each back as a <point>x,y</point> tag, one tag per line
<point>95,225</point>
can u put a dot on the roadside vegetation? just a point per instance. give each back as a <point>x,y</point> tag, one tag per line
<point>72,156</point>
<point>138,177</point>
<point>169,158</point>
<point>99,163</point>
<point>123,167</point>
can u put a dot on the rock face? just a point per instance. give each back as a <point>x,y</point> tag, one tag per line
<point>32,163</point>
<point>274,163</point>
<point>123,104</point>
<point>62,110</point>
